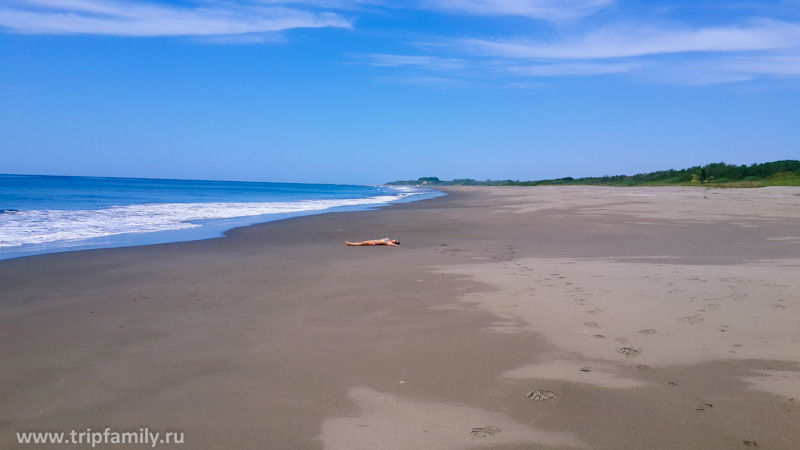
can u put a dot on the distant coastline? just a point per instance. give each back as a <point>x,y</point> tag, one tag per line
<point>776,173</point>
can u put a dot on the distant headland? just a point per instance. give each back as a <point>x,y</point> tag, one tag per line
<point>777,173</point>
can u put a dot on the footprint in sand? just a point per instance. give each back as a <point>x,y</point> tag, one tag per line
<point>541,395</point>
<point>693,319</point>
<point>702,406</point>
<point>591,324</point>
<point>491,430</point>
<point>599,336</point>
<point>628,351</point>
<point>648,331</point>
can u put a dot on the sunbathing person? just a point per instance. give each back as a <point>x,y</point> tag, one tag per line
<point>384,241</point>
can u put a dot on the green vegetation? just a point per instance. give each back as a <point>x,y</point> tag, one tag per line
<point>778,173</point>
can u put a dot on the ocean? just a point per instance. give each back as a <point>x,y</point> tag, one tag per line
<point>45,214</point>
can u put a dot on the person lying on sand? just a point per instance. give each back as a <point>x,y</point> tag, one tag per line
<point>384,241</point>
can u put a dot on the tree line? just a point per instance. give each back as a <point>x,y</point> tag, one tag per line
<point>783,173</point>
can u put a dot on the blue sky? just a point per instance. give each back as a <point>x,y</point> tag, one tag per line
<point>368,91</point>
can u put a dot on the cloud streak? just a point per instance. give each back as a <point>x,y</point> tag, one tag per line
<point>634,42</point>
<point>727,69</point>
<point>125,18</point>
<point>552,10</point>
<point>695,56</point>
<point>567,47</point>
<point>427,62</point>
<point>439,82</point>
<point>549,70</point>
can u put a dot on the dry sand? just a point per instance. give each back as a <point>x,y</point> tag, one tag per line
<point>655,318</point>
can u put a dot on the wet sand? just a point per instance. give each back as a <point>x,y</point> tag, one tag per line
<point>655,318</point>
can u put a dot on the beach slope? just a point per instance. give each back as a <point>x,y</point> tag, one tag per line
<point>544,317</point>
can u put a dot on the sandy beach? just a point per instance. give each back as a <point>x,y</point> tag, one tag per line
<point>546,317</point>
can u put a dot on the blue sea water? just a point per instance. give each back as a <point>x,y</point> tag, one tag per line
<point>44,214</point>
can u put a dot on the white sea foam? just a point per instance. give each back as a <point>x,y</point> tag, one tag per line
<point>19,228</point>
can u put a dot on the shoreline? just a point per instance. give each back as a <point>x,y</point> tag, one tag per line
<point>280,336</point>
<point>207,229</point>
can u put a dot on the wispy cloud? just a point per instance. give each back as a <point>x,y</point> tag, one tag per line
<point>553,10</point>
<point>441,82</point>
<point>426,62</point>
<point>624,42</point>
<point>242,39</point>
<point>654,48</point>
<point>695,56</point>
<point>577,68</point>
<point>727,68</point>
<point>127,18</point>
<point>784,63</point>
<point>330,4</point>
